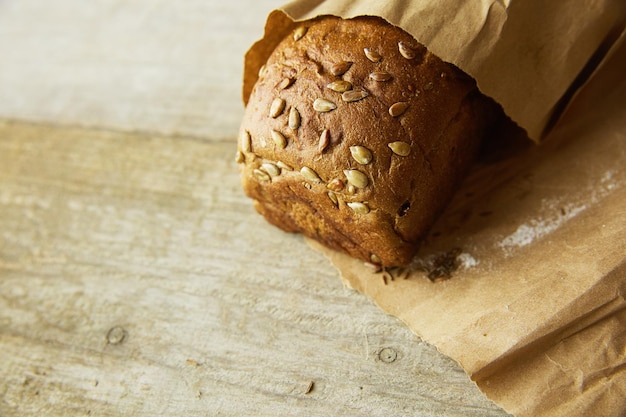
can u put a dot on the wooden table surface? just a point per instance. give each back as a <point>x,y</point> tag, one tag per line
<point>135,276</point>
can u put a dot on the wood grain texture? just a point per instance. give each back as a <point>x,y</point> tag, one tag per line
<point>135,277</point>
<point>213,311</point>
<point>158,66</point>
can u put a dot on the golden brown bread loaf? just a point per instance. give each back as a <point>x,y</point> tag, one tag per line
<point>356,136</point>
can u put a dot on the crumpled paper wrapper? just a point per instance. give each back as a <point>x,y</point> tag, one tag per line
<point>530,56</point>
<point>527,266</point>
<point>534,310</point>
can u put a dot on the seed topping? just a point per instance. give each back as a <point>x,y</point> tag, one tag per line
<point>324,140</point>
<point>271,169</point>
<point>239,157</point>
<point>359,208</point>
<point>277,107</point>
<point>285,83</point>
<point>261,175</point>
<point>246,141</point>
<point>310,175</point>
<point>340,86</point>
<point>279,139</point>
<point>361,154</point>
<point>354,95</point>
<point>335,185</point>
<point>376,268</point>
<point>406,51</point>
<point>282,165</point>
<point>299,33</point>
<point>333,198</point>
<point>398,108</point>
<point>340,68</point>
<point>294,118</point>
<point>380,76</point>
<point>372,55</point>
<point>356,178</point>
<point>322,105</point>
<point>400,148</point>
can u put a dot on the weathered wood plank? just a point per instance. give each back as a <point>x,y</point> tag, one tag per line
<point>135,279</point>
<point>134,276</point>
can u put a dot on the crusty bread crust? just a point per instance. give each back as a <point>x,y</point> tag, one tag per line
<point>367,177</point>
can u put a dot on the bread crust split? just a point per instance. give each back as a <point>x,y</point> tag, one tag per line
<point>357,136</point>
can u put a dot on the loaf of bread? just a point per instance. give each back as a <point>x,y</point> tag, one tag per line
<point>357,136</point>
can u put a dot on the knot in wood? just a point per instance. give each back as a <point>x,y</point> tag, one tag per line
<point>116,335</point>
<point>387,355</point>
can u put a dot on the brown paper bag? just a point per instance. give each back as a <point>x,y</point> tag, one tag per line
<point>535,312</point>
<point>535,242</point>
<point>526,55</point>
